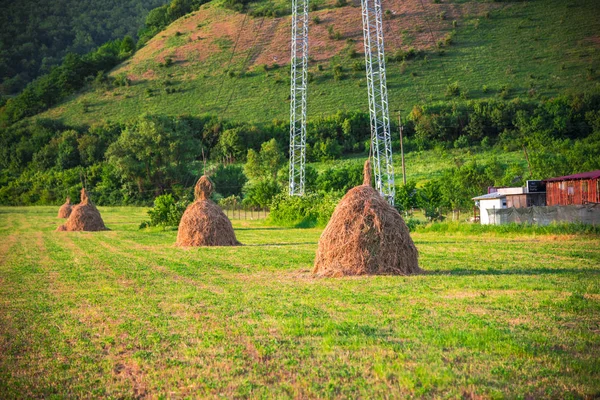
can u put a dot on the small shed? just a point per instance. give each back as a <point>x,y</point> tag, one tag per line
<point>487,202</point>
<point>577,189</point>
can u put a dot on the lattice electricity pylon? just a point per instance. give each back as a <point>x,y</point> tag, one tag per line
<point>299,80</point>
<point>381,140</point>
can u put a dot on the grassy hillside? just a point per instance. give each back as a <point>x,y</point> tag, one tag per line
<point>125,314</point>
<point>529,48</point>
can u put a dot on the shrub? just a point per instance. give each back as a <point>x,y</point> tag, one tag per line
<point>453,90</point>
<point>338,72</point>
<point>260,193</point>
<point>340,178</point>
<point>166,212</point>
<point>461,142</point>
<point>305,211</point>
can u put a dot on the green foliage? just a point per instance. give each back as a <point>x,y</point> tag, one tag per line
<point>266,163</point>
<point>37,37</point>
<point>260,193</point>
<point>229,180</point>
<point>305,211</point>
<point>340,178</point>
<point>166,212</point>
<point>453,90</point>
<point>62,81</point>
<point>407,197</point>
<point>154,152</point>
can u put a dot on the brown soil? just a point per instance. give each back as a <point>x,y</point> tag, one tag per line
<point>84,217</point>
<point>203,223</point>
<point>406,26</point>
<point>65,210</point>
<point>366,236</point>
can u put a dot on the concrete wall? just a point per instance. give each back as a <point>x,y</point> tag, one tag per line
<point>490,204</point>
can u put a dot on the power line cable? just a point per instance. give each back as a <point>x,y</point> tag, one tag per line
<point>232,55</point>
<point>244,64</point>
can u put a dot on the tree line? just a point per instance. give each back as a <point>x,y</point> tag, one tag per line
<point>42,161</point>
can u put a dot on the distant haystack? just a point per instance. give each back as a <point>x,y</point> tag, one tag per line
<point>65,210</point>
<point>84,217</point>
<point>366,235</point>
<point>203,223</point>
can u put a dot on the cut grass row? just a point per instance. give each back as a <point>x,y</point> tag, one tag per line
<point>124,313</point>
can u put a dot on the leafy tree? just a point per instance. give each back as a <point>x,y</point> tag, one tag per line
<point>229,180</point>
<point>253,168</point>
<point>260,193</point>
<point>68,154</point>
<point>155,152</point>
<point>406,197</point>
<point>127,45</point>
<point>265,164</point>
<point>341,178</point>
<point>271,158</point>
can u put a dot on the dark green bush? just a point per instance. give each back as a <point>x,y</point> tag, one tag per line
<point>166,212</point>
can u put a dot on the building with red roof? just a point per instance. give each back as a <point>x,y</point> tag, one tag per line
<point>583,188</point>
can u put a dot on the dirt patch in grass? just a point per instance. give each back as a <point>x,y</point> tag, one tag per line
<point>131,372</point>
<point>407,25</point>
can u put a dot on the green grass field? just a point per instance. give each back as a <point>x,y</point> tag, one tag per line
<point>529,48</point>
<point>125,314</point>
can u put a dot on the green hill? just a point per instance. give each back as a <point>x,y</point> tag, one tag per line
<point>467,49</point>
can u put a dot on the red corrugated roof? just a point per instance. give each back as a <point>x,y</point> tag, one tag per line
<point>584,175</point>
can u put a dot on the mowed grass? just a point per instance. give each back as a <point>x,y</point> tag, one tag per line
<point>126,314</point>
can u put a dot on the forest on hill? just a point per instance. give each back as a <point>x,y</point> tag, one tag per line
<point>36,35</point>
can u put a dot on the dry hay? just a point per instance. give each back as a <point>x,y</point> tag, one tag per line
<point>84,217</point>
<point>65,210</point>
<point>203,223</point>
<point>366,235</point>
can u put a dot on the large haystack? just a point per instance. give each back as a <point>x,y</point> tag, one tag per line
<point>203,223</point>
<point>84,217</point>
<point>65,210</point>
<point>366,235</point>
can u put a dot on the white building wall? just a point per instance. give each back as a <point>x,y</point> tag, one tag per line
<point>484,205</point>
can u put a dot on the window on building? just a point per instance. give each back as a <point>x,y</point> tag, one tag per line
<point>584,192</point>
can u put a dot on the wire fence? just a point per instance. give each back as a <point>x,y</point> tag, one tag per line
<point>239,212</point>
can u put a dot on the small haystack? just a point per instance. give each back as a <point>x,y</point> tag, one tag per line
<point>84,217</point>
<point>366,235</point>
<point>65,210</point>
<point>203,223</point>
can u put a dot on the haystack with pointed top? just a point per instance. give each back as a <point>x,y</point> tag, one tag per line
<point>203,223</point>
<point>84,217</point>
<point>366,235</point>
<point>65,210</point>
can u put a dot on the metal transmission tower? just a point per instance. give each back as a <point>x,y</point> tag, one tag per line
<point>381,141</point>
<point>299,78</point>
